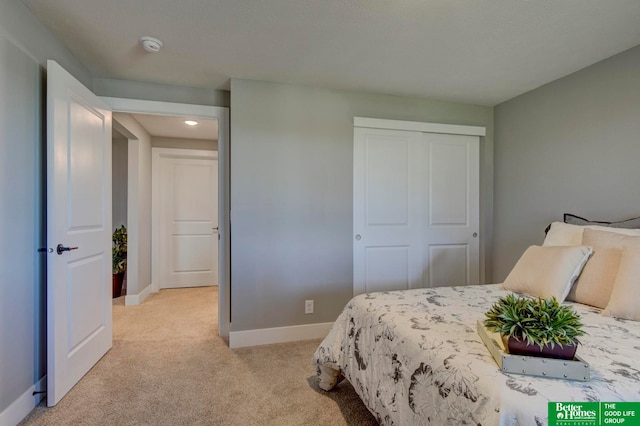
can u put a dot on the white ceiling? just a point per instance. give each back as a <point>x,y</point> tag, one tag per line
<point>480,51</point>
<point>174,127</point>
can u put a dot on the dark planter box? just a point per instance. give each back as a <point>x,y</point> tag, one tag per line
<point>117,284</point>
<point>522,348</point>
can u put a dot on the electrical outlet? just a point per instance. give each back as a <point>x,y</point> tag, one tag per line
<point>308,306</point>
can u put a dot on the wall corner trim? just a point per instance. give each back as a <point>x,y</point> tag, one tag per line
<point>266,336</point>
<point>417,126</point>
<point>21,407</point>
<point>136,299</point>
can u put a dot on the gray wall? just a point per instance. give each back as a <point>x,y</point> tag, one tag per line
<point>24,47</point>
<point>21,28</point>
<point>159,92</point>
<point>120,164</point>
<point>138,203</point>
<point>203,144</point>
<point>20,226</point>
<point>291,194</point>
<point>570,146</point>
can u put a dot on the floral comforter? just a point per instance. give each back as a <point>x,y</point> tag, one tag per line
<point>415,358</point>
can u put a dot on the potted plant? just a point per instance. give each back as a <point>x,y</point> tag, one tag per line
<point>119,251</point>
<point>536,327</point>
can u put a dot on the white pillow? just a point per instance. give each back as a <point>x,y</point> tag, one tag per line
<point>564,234</point>
<point>547,271</point>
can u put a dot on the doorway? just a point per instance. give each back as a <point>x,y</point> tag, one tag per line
<point>140,188</point>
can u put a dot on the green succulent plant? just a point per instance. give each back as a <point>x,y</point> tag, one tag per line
<point>119,250</point>
<point>537,321</point>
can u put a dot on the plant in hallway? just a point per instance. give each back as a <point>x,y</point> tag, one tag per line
<point>119,252</point>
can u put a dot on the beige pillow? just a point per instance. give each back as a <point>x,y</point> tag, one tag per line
<point>610,239</point>
<point>547,271</point>
<point>596,282</point>
<point>626,291</point>
<point>565,234</point>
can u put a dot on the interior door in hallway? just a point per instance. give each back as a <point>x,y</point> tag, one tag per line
<point>187,191</point>
<point>415,209</point>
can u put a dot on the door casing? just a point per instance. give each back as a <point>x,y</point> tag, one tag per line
<point>222,115</point>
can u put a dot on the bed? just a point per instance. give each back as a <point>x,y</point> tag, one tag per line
<point>415,357</point>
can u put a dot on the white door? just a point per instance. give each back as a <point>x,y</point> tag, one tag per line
<point>78,219</point>
<point>387,218</point>
<point>188,217</point>
<point>452,213</point>
<point>416,214</point>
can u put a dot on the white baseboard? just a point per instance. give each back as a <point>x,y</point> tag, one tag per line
<point>136,299</point>
<point>21,407</point>
<point>266,336</point>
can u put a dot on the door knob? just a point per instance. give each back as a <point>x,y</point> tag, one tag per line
<point>358,237</point>
<point>475,234</point>
<point>60,249</point>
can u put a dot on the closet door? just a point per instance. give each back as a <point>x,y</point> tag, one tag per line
<point>387,210</point>
<point>415,210</point>
<point>451,205</point>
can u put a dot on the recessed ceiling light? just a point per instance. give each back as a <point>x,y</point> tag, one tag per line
<point>190,122</point>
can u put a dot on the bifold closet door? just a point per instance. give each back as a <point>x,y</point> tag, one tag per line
<point>415,210</point>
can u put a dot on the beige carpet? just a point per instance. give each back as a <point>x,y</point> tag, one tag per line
<point>168,367</point>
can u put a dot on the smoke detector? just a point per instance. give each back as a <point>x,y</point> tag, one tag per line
<point>150,44</point>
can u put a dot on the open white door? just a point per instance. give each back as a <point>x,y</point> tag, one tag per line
<point>78,231</point>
